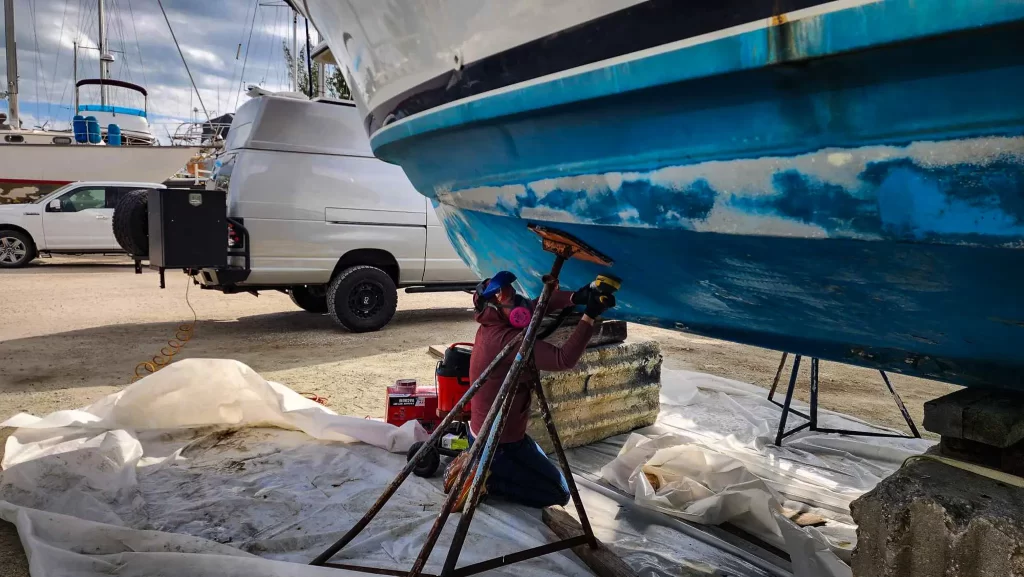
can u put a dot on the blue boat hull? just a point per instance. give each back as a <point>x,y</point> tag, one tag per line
<point>847,183</point>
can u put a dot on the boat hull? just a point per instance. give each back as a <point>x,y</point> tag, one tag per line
<point>30,171</point>
<point>845,181</point>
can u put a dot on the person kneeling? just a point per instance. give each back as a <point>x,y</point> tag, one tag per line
<point>520,471</point>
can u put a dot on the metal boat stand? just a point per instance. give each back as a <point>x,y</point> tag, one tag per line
<point>564,247</point>
<point>812,418</point>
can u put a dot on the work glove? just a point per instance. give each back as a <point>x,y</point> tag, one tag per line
<point>582,296</point>
<point>598,303</point>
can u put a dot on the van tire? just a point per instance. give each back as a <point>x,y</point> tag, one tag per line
<point>16,248</point>
<point>131,223</point>
<point>362,299</point>
<point>310,298</point>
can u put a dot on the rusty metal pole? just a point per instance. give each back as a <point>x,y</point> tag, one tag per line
<point>491,431</point>
<point>574,492</point>
<point>409,466</point>
<point>487,453</point>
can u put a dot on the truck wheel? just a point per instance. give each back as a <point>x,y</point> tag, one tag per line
<point>131,223</point>
<point>362,299</point>
<point>310,298</point>
<point>16,249</point>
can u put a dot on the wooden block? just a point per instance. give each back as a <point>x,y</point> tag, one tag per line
<point>991,417</point>
<point>437,351</point>
<point>601,560</point>
<point>803,518</point>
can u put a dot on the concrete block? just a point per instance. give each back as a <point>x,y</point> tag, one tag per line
<point>990,417</point>
<point>614,389</point>
<point>932,520</point>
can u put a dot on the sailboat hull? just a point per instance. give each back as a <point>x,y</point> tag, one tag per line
<point>844,181</point>
<point>29,171</point>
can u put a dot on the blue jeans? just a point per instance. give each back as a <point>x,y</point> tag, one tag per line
<point>522,473</point>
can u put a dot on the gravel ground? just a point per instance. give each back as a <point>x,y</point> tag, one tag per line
<point>72,330</point>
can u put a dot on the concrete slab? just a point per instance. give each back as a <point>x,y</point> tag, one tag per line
<point>932,520</point>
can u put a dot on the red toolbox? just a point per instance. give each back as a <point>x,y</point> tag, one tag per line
<point>407,401</point>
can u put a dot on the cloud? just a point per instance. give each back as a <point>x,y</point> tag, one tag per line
<point>209,34</point>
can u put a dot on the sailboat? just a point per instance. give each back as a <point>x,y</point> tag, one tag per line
<point>36,162</point>
<point>840,179</point>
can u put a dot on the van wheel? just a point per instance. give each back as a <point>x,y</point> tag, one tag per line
<point>17,249</point>
<point>362,299</point>
<point>310,298</point>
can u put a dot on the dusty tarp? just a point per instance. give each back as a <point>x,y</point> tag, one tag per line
<point>711,459</point>
<point>205,468</point>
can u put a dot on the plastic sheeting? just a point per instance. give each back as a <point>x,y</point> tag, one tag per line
<point>150,482</point>
<point>205,468</point>
<point>710,459</point>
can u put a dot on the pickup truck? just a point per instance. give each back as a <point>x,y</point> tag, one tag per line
<point>74,219</point>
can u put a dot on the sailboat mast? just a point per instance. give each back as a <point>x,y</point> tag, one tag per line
<point>12,66</point>
<point>104,65</point>
<point>295,51</point>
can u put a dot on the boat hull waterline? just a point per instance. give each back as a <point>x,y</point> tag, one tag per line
<point>844,181</point>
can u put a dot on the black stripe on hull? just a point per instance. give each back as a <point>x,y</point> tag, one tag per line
<point>646,25</point>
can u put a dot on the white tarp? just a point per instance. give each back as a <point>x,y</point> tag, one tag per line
<point>205,468</point>
<point>150,482</point>
<point>711,458</point>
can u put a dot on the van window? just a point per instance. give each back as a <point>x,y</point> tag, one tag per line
<point>238,135</point>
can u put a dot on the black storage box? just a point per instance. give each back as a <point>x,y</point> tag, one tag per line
<point>187,228</point>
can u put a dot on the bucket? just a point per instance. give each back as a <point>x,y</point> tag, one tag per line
<point>92,126</point>
<point>114,135</point>
<point>452,376</point>
<point>81,132</point>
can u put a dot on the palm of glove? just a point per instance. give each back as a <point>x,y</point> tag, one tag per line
<point>582,296</point>
<point>598,303</point>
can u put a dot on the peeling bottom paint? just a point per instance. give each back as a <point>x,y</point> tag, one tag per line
<point>964,192</point>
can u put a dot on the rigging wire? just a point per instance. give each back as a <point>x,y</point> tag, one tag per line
<point>119,29</point>
<point>246,59</point>
<point>183,61</point>
<point>277,21</point>
<point>56,62</point>
<point>138,45</point>
<point>238,51</point>
<point>39,60</point>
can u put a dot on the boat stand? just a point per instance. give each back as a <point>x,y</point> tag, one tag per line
<point>564,247</point>
<point>812,418</point>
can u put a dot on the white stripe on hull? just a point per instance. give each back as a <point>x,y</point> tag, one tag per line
<point>82,162</point>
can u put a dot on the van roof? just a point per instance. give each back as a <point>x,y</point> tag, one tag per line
<point>292,125</point>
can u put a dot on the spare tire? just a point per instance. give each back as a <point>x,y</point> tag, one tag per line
<point>131,222</point>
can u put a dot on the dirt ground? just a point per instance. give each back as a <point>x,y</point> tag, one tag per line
<point>72,330</point>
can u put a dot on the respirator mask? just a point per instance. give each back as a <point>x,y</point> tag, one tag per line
<point>520,310</point>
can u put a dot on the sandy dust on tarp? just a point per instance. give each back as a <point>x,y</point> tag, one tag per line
<point>205,462</point>
<point>711,459</point>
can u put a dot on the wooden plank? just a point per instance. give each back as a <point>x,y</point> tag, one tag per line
<point>601,560</point>
<point>605,333</point>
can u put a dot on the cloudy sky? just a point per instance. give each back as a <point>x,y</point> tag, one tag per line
<point>209,32</point>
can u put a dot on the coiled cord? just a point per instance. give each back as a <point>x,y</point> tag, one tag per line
<point>181,336</point>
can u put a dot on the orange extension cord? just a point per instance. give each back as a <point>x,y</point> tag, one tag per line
<point>181,337</point>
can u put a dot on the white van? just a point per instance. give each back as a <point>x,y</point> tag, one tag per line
<point>312,212</point>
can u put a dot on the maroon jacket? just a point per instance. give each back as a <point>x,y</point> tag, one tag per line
<point>494,333</point>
